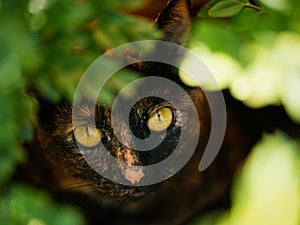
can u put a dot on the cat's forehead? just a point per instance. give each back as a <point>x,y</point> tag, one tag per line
<point>87,111</point>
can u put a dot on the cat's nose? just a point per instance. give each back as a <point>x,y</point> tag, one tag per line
<point>133,174</point>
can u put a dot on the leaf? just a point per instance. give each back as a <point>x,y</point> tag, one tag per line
<point>22,204</point>
<point>214,36</point>
<point>267,189</point>
<point>205,9</point>
<point>226,8</point>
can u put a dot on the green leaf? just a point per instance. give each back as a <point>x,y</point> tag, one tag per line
<point>267,190</point>
<point>226,8</point>
<point>26,205</point>
<point>205,9</point>
<point>214,36</point>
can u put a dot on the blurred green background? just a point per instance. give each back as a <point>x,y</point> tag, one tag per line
<point>252,48</point>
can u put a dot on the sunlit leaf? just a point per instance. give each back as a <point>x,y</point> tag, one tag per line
<point>268,189</point>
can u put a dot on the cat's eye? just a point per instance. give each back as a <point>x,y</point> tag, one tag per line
<point>160,119</point>
<point>87,136</point>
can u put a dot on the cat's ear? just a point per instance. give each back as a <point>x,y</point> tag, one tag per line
<point>175,21</point>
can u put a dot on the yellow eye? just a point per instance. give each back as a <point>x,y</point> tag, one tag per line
<point>87,136</point>
<point>160,120</point>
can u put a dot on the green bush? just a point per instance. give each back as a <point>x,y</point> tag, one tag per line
<point>47,44</point>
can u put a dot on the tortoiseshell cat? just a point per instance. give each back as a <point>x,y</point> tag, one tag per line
<point>60,168</point>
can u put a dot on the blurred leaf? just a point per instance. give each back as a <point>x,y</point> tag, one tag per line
<point>272,74</point>
<point>258,42</point>
<point>287,52</point>
<point>224,69</point>
<point>15,128</point>
<point>25,205</point>
<point>217,36</point>
<point>267,189</point>
<point>279,5</point>
<point>48,46</point>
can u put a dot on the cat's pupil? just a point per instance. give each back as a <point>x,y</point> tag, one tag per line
<point>158,116</point>
<point>87,131</point>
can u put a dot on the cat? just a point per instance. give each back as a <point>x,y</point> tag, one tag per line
<point>58,166</point>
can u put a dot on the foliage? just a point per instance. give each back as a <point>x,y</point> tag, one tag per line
<point>25,205</point>
<point>254,51</point>
<point>267,190</point>
<point>47,45</point>
<point>227,8</point>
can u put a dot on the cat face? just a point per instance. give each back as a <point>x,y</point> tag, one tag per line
<point>70,145</point>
